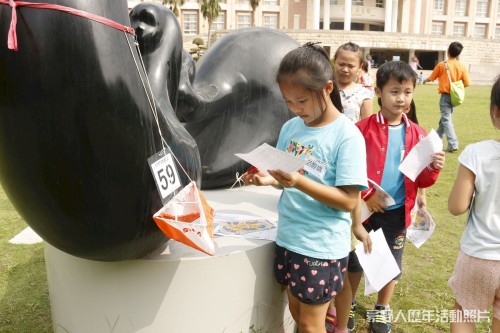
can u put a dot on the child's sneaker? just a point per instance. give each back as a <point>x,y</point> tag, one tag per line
<point>351,323</point>
<point>379,319</point>
<point>330,322</point>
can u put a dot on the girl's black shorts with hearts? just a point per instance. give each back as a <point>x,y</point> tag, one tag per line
<point>310,280</point>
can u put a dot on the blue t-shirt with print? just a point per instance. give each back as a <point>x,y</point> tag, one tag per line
<point>392,179</point>
<point>337,157</point>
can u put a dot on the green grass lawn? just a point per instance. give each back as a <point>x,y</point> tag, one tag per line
<point>24,303</point>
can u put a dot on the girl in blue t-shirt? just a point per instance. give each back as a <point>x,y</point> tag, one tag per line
<point>314,223</point>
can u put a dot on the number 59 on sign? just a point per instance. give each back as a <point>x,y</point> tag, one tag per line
<point>165,175</point>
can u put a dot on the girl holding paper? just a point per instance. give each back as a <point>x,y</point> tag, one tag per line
<point>476,279</point>
<point>314,223</point>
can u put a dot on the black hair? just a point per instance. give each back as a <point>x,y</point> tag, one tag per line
<point>309,67</point>
<point>398,70</point>
<point>455,49</point>
<point>495,94</point>
<point>495,102</point>
<point>352,47</point>
<point>412,113</point>
<point>364,65</point>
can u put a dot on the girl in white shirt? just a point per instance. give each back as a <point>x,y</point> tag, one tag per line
<point>476,279</point>
<point>357,101</point>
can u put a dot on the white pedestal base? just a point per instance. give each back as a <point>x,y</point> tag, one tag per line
<point>180,289</point>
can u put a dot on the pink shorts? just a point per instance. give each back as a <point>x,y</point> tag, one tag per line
<point>476,283</point>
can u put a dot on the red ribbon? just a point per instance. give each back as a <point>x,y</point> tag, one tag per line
<point>12,40</point>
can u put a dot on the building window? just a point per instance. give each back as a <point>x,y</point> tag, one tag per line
<point>357,2</point>
<point>459,29</point>
<point>220,22</point>
<point>461,7</point>
<point>437,28</point>
<point>244,20</point>
<point>438,7</point>
<point>296,21</point>
<point>482,8</point>
<point>498,9</point>
<point>270,20</point>
<point>497,32</point>
<point>271,2</point>
<point>336,2</point>
<point>190,20</point>
<point>480,31</point>
<point>380,3</point>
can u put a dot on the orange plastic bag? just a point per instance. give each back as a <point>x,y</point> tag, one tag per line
<point>188,219</point>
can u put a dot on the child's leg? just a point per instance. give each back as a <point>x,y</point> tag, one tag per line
<point>495,327</point>
<point>354,280</point>
<point>310,317</point>
<point>343,303</point>
<point>392,223</point>
<point>462,326</point>
<point>293,306</point>
<point>385,294</point>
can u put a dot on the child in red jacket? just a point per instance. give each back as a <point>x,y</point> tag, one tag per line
<point>389,137</point>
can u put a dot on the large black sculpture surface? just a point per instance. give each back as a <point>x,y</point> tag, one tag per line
<point>77,127</point>
<point>232,104</point>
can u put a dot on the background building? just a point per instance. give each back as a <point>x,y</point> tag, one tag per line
<point>387,29</point>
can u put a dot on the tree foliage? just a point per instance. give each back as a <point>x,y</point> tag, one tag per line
<point>210,9</point>
<point>254,4</point>
<point>174,5</point>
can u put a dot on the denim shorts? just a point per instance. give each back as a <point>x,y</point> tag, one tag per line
<point>310,280</point>
<point>393,226</point>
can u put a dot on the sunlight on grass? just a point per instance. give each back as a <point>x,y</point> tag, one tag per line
<point>24,304</point>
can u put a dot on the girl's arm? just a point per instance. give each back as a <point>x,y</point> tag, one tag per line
<point>366,109</point>
<point>462,191</point>
<point>341,197</point>
<point>357,227</point>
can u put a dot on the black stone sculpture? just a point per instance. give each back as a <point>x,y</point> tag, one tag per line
<point>77,127</point>
<point>230,101</point>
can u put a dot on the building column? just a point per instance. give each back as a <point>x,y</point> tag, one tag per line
<point>388,15</point>
<point>366,50</point>
<point>416,16</point>
<point>326,14</point>
<point>394,18</point>
<point>411,53</point>
<point>316,10</point>
<point>347,15</point>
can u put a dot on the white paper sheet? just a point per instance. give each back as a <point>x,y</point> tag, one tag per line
<point>389,201</point>
<point>266,157</point>
<point>421,155</point>
<point>422,226</point>
<point>27,236</point>
<point>245,226</point>
<point>379,266</point>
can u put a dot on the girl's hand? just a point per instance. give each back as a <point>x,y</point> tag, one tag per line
<point>362,235</point>
<point>376,203</point>
<point>285,179</point>
<point>255,177</point>
<point>438,160</point>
